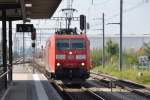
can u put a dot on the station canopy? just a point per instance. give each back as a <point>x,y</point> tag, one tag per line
<point>34,9</point>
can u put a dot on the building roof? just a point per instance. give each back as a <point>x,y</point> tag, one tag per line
<point>34,9</point>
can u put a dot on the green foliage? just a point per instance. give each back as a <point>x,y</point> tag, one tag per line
<point>128,74</point>
<point>111,54</point>
<point>130,58</point>
<point>96,56</point>
<point>130,62</point>
<point>147,49</point>
<point>112,48</point>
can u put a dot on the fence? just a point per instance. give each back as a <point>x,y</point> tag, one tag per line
<point>3,78</point>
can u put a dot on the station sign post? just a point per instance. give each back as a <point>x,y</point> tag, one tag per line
<point>24,28</point>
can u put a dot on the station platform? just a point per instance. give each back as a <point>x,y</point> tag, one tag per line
<point>29,86</point>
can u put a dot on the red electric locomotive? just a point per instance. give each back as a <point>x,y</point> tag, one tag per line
<point>68,56</point>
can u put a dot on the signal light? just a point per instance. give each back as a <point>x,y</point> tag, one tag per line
<point>33,34</point>
<point>33,45</point>
<point>82,22</point>
<point>88,26</point>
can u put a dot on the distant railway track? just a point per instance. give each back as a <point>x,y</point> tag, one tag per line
<point>127,85</point>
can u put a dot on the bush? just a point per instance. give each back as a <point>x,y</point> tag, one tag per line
<point>96,55</point>
<point>128,74</point>
<point>130,59</point>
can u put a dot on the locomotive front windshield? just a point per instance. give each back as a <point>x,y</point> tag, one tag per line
<point>77,44</point>
<point>69,44</point>
<point>62,44</point>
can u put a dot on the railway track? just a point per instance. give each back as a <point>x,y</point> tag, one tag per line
<point>93,93</point>
<point>61,91</point>
<point>87,93</point>
<point>72,92</point>
<point>127,85</point>
<point>76,92</point>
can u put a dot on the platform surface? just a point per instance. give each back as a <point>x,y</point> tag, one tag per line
<point>28,86</point>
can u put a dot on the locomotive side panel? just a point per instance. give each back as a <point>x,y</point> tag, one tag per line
<point>46,56</point>
<point>88,55</point>
<point>51,55</point>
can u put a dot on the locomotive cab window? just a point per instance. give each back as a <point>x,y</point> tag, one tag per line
<point>67,44</point>
<point>77,44</point>
<point>62,44</point>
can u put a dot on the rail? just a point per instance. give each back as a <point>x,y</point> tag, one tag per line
<point>98,97</point>
<point>64,92</point>
<point>61,91</point>
<point>128,85</point>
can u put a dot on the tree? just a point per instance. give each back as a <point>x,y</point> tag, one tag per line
<point>112,48</point>
<point>141,51</point>
<point>130,58</point>
<point>96,55</point>
<point>147,49</point>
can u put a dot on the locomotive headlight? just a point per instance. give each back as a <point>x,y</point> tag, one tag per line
<point>60,56</point>
<point>58,64</point>
<point>83,64</point>
<point>80,57</point>
<point>70,53</point>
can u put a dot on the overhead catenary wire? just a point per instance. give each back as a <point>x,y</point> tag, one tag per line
<point>93,4</point>
<point>128,9</point>
<point>125,11</point>
<point>101,3</point>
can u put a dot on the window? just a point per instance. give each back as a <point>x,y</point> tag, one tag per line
<point>77,44</point>
<point>70,44</point>
<point>62,44</point>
